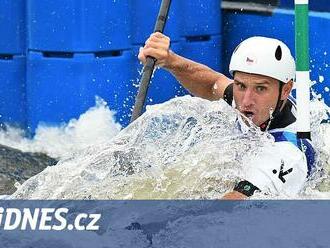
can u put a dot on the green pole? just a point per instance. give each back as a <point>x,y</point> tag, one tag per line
<point>302,68</point>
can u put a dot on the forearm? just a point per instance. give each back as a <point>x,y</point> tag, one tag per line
<point>234,195</point>
<point>198,79</point>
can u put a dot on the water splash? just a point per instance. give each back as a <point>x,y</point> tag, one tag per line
<point>95,126</point>
<point>186,148</point>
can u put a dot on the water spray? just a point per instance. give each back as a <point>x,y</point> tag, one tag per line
<point>150,63</point>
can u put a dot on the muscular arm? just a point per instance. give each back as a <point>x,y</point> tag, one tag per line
<point>198,79</point>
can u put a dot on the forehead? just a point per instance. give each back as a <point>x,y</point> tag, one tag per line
<point>249,78</point>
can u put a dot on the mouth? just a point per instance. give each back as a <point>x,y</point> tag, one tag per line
<point>248,114</point>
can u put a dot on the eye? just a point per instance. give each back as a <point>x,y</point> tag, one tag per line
<point>240,85</point>
<point>261,88</point>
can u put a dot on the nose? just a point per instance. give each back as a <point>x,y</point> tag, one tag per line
<point>248,99</point>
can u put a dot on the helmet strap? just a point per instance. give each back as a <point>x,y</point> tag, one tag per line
<point>264,126</point>
<point>279,101</point>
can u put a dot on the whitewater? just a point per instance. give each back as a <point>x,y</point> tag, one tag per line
<point>186,148</point>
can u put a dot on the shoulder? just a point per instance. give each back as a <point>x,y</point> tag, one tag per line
<point>228,94</point>
<point>286,118</point>
<point>220,86</point>
<point>305,147</point>
<point>278,169</point>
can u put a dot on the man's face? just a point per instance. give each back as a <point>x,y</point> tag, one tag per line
<point>255,96</point>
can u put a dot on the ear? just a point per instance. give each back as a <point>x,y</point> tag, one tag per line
<point>286,90</point>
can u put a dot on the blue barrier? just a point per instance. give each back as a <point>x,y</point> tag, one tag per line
<point>144,17</point>
<point>78,25</point>
<point>12,84</point>
<point>61,87</point>
<point>12,27</point>
<point>204,49</point>
<point>201,17</point>
<point>243,25</point>
<point>186,18</point>
<point>316,5</point>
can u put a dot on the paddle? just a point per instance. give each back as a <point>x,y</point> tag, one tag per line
<point>150,63</point>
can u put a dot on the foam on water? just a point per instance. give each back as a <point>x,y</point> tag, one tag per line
<point>186,148</point>
<point>95,126</point>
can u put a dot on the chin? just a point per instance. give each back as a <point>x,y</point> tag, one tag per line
<point>257,122</point>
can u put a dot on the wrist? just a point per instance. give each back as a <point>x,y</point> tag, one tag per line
<point>173,62</point>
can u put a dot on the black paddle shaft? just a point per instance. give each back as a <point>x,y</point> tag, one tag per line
<point>150,63</point>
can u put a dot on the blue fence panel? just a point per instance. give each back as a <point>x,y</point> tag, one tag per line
<point>241,26</point>
<point>144,16</point>
<point>319,5</point>
<point>12,27</point>
<point>201,17</point>
<point>59,89</point>
<point>287,4</point>
<point>204,49</point>
<point>12,84</point>
<point>78,25</point>
<point>316,5</point>
<point>186,18</point>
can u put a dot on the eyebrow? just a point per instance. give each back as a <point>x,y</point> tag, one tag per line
<point>263,82</point>
<point>237,81</point>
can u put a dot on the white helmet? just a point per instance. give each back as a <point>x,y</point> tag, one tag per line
<point>263,56</point>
